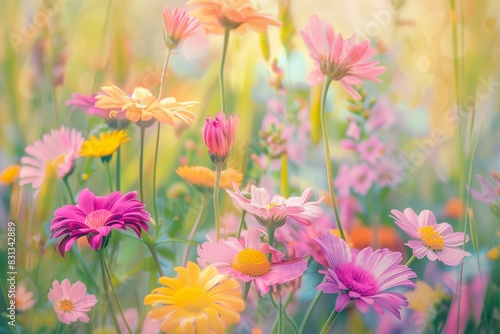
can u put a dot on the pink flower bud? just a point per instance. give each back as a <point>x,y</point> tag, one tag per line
<point>219,136</point>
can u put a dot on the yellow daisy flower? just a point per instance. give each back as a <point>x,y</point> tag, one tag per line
<point>105,146</point>
<point>203,178</point>
<point>424,297</point>
<point>9,174</point>
<point>198,301</point>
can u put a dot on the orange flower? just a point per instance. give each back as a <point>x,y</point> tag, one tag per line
<point>143,106</point>
<point>219,15</point>
<point>362,236</point>
<point>454,208</point>
<point>203,178</point>
<point>9,174</point>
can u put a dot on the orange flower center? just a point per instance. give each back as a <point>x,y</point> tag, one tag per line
<point>191,298</point>
<point>66,305</point>
<point>251,262</point>
<point>431,238</point>
<point>97,218</point>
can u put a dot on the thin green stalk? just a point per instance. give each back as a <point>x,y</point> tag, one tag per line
<point>310,309</point>
<point>242,222</point>
<point>292,323</point>
<point>280,317</point>
<point>103,34</point>
<point>246,290</point>
<point>221,71</point>
<point>108,174</point>
<point>77,253</point>
<point>196,225</point>
<point>218,172</point>
<point>330,322</point>
<point>103,259</point>
<point>118,163</point>
<point>155,163</point>
<point>68,188</point>
<point>270,240</point>
<point>329,174</point>
<point>141,164</point>
<point>154,254</point>
<point>410,261</point>
<point>284,175</point>
<point>106,288</point>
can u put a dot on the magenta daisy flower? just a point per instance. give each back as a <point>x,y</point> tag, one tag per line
<point>343,60</point>
<point>59,148</point>
<point>246,259</point>
<point>70,301</point>
<point>436,241</point>
<point>95,217</point>
<point>273,212</point>
<point>364,277</point>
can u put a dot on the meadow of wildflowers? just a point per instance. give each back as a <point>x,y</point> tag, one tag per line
<point>237,166</point>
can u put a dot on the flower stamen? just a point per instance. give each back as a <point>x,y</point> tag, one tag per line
<point>431,238</point>
<point>251,262</point>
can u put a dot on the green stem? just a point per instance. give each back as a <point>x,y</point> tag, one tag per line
<point>242,222</point>
<point>196,225</point>
<point>108,174</point>
<point>106,288</point>
<point>330,322</point>
<point>118,163</point>
<point>246,290</point>
<point>284,175</point>
<point>68,188</point>
<point>155,163</point>
<point>280,317</point>
<point>154,254</point>
<point>410,261</point>
<point>329,174</point>
<point>103,34</point>
<point>218,172</point>
<point>221,71</point>
<point>310,309</point>
<point>77,253</point>
<point>108,275</point>
<point>270,240</point>
<point>141,164</point>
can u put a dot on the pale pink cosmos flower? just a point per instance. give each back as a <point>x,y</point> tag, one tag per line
<point>386,174</point>
<point>436,241</point>
<point>490,192</point>
<point>70,301</point>
<point>246,259</point>
<point>370,150</point>
<point>364,277</point>
<point>24,298</point>
<point>343,60</point>
<point>58,148</point>
<point>219,136</point>
<point>381,115</point>
<point>273,212</point>
<point>353,130</point>
<point>362,177</point>
<point>179,26</point>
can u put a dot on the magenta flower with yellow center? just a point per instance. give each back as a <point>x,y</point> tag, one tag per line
<point>364,277</point>
<point>246,259</point>
<point>219,136</point>
<point>342,60</point>
<point>237,15</point>
<point>95,217</point>
<point>71,302</point>
<point>178,26</point>
<point>436,241</point>
<point>273,212</point>
<point>59,149</point>
<point>198,301</point>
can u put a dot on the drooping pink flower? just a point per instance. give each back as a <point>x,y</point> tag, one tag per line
<point>59,148</point>
<point>179,26</point>
<point>247,260</point>
<point>362,178</point>
<point>219,136</point>
<point>273,212</point>
<point>70,302</point>
<point>364,277</point>
<point>490,192</point>
<point>95,217</point>
<point>87,104</point>
<point>343,60</point>
<point>436,241</point>
<point>370,150</point>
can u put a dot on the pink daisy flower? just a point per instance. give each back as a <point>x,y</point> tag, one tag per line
<point>273,212</point>
<point>179,26</point>
<point>247,260</point>
<point>364,277</point>
<point>95,217</point>
<point>362,178</point>
<point>436,241</point>
<point>70,302</point>
<point>59,147</point>
<point>343,60</point>
<point>370,150</point>
<point>219,136</point>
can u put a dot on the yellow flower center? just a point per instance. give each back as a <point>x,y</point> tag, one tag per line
<point>59,160</point>
<point>431,237</point>
<point>66,305</point>
<point>271,205</point>
<point>251,262</point>
<point>191,298</point>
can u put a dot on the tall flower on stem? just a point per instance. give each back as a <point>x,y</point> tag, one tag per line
<point>341,60</point>
<point>363,277</point>
<point>222,17</point>
<point>436,241</point>
<point>219,136</point>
